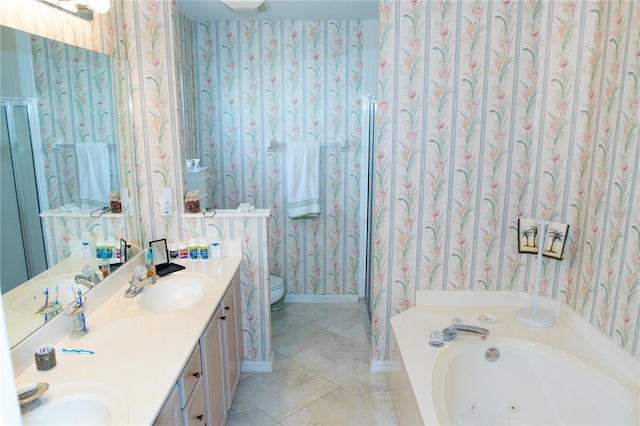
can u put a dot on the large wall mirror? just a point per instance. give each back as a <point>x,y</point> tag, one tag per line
<point>67,152</point>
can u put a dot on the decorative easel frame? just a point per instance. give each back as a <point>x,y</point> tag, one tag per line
<point>555,240</point>
<point>527,236</point>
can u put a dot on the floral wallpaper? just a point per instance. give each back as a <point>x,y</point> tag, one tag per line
<point>75,102</point>
<point>492,111</point>
<point>292,81</point>
<point>64,231</point>
<point>254,272</point>
<point>487,111</point>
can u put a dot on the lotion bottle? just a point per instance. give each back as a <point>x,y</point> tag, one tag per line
<point>151,267</point>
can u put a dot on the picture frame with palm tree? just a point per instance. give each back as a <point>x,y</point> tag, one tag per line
<point>555,240</point>
<point>527,236</point>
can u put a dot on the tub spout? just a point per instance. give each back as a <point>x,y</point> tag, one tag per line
<point>450,332</point>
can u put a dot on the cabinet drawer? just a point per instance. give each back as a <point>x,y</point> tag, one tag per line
<point>193,413</point>
<point>190,374</point>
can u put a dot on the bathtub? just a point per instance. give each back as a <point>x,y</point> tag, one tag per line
<point>565,374</point>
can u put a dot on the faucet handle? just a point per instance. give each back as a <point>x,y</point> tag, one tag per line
<point>140,273</point>
<point>87,270</point>
<point>436,339</point>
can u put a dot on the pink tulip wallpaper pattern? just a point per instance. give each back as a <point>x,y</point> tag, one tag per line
<point>292,81</point>
<point>76,104</point>
<point>487,111</point>
<point>492,111</point>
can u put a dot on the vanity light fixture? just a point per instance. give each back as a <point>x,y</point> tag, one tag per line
<point>81,8</point>
<point>245,7</point>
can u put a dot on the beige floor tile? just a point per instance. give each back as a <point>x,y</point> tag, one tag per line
<point>340,408</point>
<point>337,359</point>
<point>372,388</point>
<point>359,333</point>
<point>245,413</point>
<point>337,320</point>
<point>289,338</point>
<point>285,390</point>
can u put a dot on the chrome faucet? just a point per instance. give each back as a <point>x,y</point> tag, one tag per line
<point>89,277</point>
<point>438,338</point>
<point>138,282</point>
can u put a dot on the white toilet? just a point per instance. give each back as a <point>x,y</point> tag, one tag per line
<point>276,288</point>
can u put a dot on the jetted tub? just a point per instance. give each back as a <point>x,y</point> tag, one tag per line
<point>565,374</point>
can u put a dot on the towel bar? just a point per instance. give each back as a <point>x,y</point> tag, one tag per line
<point>342,145</point>
<point>59,147</point>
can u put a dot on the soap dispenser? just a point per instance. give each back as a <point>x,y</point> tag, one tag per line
<point>151,267</point>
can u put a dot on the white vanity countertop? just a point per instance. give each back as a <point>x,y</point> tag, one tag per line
<point>139,354</point>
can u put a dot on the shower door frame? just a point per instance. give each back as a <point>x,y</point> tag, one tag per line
<point>35,257</point>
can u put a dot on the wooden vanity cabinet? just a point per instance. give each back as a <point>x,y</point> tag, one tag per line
<point>207,385</point>
<point>231,344</point>
<point>212,364</point>
<point>185,404</point>
<point>170,414</point>
<point>220,357</point>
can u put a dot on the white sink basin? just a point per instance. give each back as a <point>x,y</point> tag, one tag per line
<point>78,403</point>
<point>174,292</point>
<point>31,297</point>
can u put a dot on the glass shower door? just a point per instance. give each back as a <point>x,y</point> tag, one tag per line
<point>23,252</point>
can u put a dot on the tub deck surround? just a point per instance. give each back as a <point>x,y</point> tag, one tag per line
<point>435,310</point>
<point>139,354</point>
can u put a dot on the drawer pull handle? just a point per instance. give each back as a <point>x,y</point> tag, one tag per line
<point>200,417</point>
<point>226,308</point>
<point>196,375</point>
<point>224,317</point>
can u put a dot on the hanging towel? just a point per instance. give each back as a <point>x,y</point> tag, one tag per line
<point>303,180</point>
<point>93,174</point>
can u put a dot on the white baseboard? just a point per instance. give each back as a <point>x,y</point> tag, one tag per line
<point>320,298</point>
<point>384,366</point>
<point>256,366</point>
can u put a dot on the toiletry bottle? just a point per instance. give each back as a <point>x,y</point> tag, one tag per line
<point>111,249</point>
<point>151,267</point>
<point>204,249</point>
<point>101,246</point>
<point>174,253</point>
<point>87,247</point>
<point>215,250</point>
<point>183,251</point>
<point>193,249</point>
<point>104,264</point>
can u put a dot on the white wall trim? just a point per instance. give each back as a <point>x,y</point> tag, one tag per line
<point>320,298</point>
<point>256,367</point>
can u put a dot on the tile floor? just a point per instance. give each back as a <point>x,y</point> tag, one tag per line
<point>320,374</point>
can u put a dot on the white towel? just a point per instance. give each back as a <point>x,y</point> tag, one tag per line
<point>94,180</point>
<point>303,180</point>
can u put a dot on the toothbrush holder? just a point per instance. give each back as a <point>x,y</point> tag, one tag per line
<point>46,361</point>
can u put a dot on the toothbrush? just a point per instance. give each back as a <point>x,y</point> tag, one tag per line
<point>46,302</point>
<point>55,287</point>
<point>84,324</point>
<point>77,351</point>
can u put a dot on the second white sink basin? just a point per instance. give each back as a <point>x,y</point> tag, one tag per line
<point>173,293</point>
<point>80,403</point>
<point>30,298</point>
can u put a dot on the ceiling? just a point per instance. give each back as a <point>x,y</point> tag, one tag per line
<point>275,10</point>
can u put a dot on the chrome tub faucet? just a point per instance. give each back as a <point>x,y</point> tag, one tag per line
<point>437,338</point>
